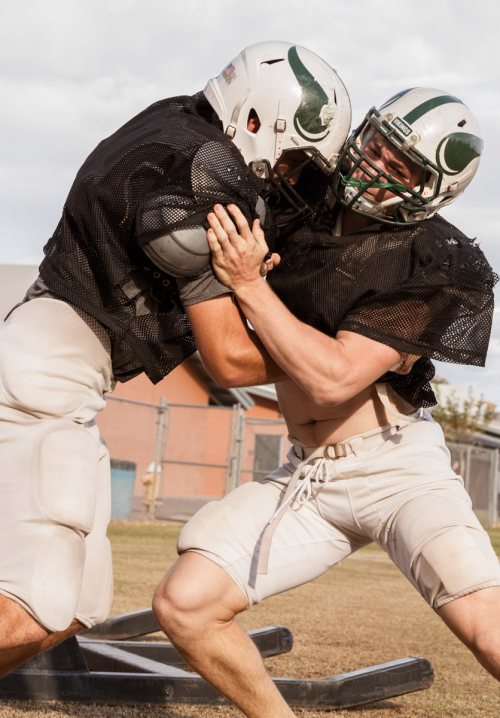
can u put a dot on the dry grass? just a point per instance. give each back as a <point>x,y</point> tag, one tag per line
<point>361,613</point>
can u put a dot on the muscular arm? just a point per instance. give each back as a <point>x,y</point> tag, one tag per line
<point>330,370</point>
<point>232,354</point>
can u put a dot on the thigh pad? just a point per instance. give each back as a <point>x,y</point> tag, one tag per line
<point>67,466</point>
<point>49,477</point>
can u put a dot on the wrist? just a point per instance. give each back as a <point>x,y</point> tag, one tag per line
<point>249,289</point>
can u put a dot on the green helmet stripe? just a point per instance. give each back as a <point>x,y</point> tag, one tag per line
<point>428,105</point>
<point>394,98</point>
<point>307,119</point>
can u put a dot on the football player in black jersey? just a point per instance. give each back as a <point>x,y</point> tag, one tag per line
<point>387,280</point>
<point>106,307</point>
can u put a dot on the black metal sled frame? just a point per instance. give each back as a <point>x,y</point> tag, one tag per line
<point>103,665</point>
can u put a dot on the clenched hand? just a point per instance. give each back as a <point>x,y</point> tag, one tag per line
<point>238,252</point>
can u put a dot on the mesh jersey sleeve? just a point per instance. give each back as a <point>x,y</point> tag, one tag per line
<point>443,310</point>
<point>216,173</point>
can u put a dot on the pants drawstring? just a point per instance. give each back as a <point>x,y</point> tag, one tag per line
<point>301,492</point>
<point>319,471</point>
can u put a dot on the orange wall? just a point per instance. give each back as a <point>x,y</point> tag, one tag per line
<point>196,435</point>
<point>182,386</point>
<point>264,409</point>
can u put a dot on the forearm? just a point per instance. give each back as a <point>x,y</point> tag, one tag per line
<point>247,364</point>
<point>329,370</point>
<point>314,361</point>
<point>232,354</point>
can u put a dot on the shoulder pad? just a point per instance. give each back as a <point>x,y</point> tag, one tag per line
<point>183,253</point>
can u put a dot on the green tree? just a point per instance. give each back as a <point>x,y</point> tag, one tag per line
<point>461,418</point>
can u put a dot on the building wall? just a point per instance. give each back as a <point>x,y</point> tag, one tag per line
<point>264,409</point>
<point>184,385</point>
<point>198,435</point>
<point>130,430</point>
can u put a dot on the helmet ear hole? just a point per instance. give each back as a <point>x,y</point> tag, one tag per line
<point>253,122</point>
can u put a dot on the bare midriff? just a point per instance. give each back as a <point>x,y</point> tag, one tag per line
<point>315,425</point>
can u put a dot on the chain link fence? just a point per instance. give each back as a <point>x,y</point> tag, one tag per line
<point>478,466</point>
<point>189,454</point>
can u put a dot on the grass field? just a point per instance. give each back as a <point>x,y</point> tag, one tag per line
<point>361,613</point>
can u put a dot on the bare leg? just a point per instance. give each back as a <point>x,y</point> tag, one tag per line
<point>21,637</point>
<point>195,604</point>
<point>475,620</point>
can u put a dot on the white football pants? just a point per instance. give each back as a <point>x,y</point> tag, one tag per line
<point>55,498</point>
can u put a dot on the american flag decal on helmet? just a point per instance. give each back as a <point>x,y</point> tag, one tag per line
<point>228,73</point>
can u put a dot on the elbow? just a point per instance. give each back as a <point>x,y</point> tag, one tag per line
<point>221,376</point>
<point>331,394</point>
<point>233,368</point>
<point>226,374</point>
<point>325,398</point>
<point>227,380</point>
<point>235,377</point>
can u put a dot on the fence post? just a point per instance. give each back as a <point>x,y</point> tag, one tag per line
<point>231,456</point>
<point>493,491</point>
<point>238,448</point>
<point>467,468</point>
<point>161,442</point>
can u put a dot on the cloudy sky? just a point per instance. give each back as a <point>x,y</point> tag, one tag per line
<point>73,71</point>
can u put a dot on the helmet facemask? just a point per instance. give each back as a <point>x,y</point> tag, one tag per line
<point>281,181</point>
<point>276,97</point>
<point>407,205</point>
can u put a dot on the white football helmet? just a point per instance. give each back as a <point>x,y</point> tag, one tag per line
<point>298,100</point>
<point>434,130</point>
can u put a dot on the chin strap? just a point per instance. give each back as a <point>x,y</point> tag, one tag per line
<point>359,184</point>
<point>384,398</point>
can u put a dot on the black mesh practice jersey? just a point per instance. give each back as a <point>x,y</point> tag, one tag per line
<point>426,289</point>
<point>164,170</point>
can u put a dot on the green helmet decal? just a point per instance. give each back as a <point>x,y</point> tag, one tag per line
<point>307,120</point>
<point>428,105</point>
<point>457,150</point>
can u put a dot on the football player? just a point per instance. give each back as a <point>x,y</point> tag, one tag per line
<point>107,307</point>
<point>357,292</point>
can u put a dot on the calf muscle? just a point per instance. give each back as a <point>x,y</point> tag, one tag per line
<point>195,605</point>
<point>17,627</point>
<point>475,620</point>
<point>21,637</point>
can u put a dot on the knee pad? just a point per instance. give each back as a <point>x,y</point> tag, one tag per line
<point>65,477</point>
<point>96,596</point>
<point>56,578</point>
